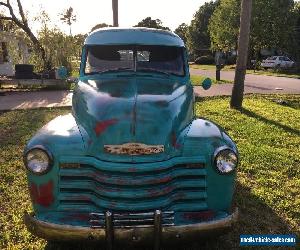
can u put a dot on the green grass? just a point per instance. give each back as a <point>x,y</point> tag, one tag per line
<point>274,73</point>
<point>211,67</point>
<point>268,185</point>
<point>198,79</point>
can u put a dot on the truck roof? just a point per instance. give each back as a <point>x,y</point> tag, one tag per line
<point>139,36</point>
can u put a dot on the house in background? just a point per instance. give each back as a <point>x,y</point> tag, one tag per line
<point>11,43</point>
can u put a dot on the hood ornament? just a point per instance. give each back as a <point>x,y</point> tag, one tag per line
<point>134,149</point>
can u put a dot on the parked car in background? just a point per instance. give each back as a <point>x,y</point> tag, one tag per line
<point>277,62</point>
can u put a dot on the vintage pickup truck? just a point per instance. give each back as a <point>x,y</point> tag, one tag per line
<point>131,163</point>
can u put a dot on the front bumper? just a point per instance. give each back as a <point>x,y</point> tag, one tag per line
<point>156,234</point>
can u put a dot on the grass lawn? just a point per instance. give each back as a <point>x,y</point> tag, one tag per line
<point>268,185</point>
<point>256,72</point>
<point>211,67</point>
<point>197,80</point>
<point>274,73</point>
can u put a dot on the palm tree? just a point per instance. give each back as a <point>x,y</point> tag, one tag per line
<point>69,17</point>
<point>241,65</point>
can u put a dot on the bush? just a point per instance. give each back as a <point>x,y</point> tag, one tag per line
<point>205,60</point>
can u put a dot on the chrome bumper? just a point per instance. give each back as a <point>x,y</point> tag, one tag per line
<point>156,235</point>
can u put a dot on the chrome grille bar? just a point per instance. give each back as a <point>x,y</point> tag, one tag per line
<point>130,220</point>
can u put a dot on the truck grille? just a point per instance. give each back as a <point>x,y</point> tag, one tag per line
<point>92,188</point>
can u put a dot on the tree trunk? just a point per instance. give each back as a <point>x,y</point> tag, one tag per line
<point>23,24</point>
<point>38,46</point>
<point>241,65</point>
<point>115,13</point>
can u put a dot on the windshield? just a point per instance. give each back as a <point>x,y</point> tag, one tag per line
<point>159,59</point>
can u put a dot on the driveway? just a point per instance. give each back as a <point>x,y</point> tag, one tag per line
<point>34,99</point>
<point>253,84</point>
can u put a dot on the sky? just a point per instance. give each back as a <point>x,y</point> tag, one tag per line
<point>91,12</point>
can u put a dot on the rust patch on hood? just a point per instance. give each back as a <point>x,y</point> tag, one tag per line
<point>103,125</point>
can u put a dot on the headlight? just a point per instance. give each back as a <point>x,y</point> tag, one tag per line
<point>38,160</point>
<point>225,160</point>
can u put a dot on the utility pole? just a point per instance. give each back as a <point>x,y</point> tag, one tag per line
<point>243,47</point>
<point>115,8</point>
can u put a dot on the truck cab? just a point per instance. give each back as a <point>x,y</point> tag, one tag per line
<point>132,162</point>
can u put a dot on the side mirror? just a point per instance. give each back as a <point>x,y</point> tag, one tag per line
<point>206,84</point>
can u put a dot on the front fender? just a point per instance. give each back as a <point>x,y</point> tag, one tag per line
<point>60,137</point>
<point>202,138</point>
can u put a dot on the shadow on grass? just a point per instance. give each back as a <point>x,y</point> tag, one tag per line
<point>270,122</point>
<point>255,218</point>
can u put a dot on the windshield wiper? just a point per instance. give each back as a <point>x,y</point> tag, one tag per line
<point>155,71</point>
<point>110,71</point>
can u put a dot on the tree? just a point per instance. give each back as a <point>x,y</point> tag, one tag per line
<point>181,31</point>
<point>22,23</point>
<point>243,45</point>
<point>223,26</point>
<point>150,23</point>
<point>61,49</point>
<point>296,32</point>
<point>272,25</point>
<point>197,35</point>
<point>69,17</point>
<point>99,26</point>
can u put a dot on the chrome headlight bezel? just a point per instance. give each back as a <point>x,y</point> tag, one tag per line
<point>220,150</point>
<point>46,152</point>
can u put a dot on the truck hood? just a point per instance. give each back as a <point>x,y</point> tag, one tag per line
<point>132,119</point>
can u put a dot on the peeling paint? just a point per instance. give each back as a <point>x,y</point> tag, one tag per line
<point>198,216</point>
<point>103,125</point>
<point>174,141</point>
<point>132,170</point>
<point>159,192</point>
<point>74,217</point>
<point>42,194</point>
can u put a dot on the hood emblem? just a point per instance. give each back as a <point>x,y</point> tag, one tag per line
<point>134,149</point>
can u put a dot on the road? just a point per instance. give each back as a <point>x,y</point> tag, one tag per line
<point>253,84</point>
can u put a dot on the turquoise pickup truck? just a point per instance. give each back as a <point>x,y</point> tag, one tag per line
<point>131,163</point>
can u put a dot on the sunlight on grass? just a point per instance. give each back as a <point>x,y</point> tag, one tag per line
<point>198,79</point>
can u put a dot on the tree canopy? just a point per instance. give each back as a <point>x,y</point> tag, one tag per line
<point>69,17</point>
<point>100,25</point>
<point>272,25</point>
<point>198,38</point>
<point>181,31</point>
<point>224,25</point>
<point>152,23</point>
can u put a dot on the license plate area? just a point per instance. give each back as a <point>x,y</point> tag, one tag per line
<point>131,220</point>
